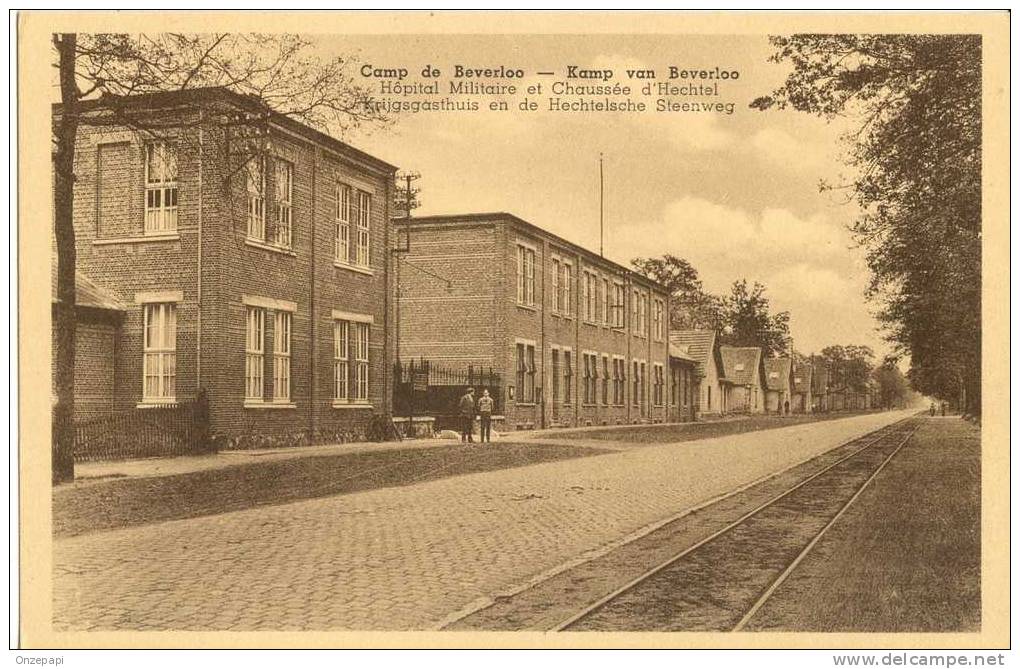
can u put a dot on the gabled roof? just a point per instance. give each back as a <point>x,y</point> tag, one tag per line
<point>805,373</point>
<point>777,373</point>
<point>88,293</point>
<point>698,344</point>
<point>741,364</point>
<point>677,353</point>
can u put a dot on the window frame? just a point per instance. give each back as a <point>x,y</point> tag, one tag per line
<point>255,354</point>
<point>256,217</point>
<point>163,351</point>
<point>160,219</point>
<point>342,222</point>
<point>283,231</point>
<point>363,253</point>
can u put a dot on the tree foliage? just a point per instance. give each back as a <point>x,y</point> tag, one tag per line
<point>278,73</point>
<point>849,366</point>
<point>915,158</point>
<point>743,318</point>
<point>691,308</point>
<point>749,321</point>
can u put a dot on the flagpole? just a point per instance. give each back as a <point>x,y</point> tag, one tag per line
<point>602,227</point>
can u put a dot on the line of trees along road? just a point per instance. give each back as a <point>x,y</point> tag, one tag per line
<point>915,162</point>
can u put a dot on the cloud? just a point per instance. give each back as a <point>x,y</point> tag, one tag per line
<point>781,149</point>
<point>720,235</point>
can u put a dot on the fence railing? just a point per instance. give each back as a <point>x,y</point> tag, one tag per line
<point>173,429</point>
<point>422,388</point>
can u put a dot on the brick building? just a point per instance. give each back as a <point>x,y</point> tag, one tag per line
<point>250,253</point>
<point>576,338</point>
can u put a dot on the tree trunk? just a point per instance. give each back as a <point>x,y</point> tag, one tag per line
<point>64,316</point>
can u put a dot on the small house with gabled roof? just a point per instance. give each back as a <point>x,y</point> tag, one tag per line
<point>702,346</point>
<point>803,380</point>
<point>744,379</point>
<point>779,385</point>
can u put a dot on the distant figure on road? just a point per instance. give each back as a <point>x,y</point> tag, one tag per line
<point>944,409</point>
<point>932,409</point>
<point>786,408</point>
<point>466,409</point>
<point>485,415</point>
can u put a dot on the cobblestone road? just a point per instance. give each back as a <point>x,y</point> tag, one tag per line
<point>404,558</point>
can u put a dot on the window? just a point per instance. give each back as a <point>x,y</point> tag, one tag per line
<point>555,375</point>
<point>567,282</point>
<point>160,188</point>
<point>568,377</point>
<point>644,384</point>
<point>591,298</point>
<point>635,322</point>
<point>591,373</point>
<point>709,388</point>
<point>341,357</point>
<point>643,315</point>
<point>350,360</point>
<point>557,295</point>
<point>636,380</point>
<point>658,320</point>
<point>255,177</point>
<point>361,362</point>
<point>281,357</point>
<point>525,373</point>
<point>525,275</point>
<point>658,383</point>
<point>619,379</point>
<point>618,305</point>
<point>254,353</point>
<point>159,356</point>
<point>605,380</point>
<point>343,223</point>
<point>364,222</point>
<point>283,178</point>
<point>606,317</point>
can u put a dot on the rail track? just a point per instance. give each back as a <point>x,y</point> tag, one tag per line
<point>722,581</point>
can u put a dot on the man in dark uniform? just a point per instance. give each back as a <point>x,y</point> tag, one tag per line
<point>466,409</point>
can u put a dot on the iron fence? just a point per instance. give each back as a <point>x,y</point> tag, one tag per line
<point>422,388</point>
<point>173,429</point>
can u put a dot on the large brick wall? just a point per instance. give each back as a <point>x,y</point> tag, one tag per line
<point>477,319</point>
<point>95,353</point>
<point>211,263</point>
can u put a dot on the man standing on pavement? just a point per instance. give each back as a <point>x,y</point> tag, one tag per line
<point>467,415</point>
<point>485,415</point>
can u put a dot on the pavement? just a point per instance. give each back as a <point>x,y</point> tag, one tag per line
<point>407,558</point>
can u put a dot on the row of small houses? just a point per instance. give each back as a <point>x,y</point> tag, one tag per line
<point>284,304</point>
<point>734,379</point>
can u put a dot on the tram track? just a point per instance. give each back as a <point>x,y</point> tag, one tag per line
<point>705,569</point>
<point>698,588</point>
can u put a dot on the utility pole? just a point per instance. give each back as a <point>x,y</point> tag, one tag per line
<point>405,198</point>
<point>602,225</point>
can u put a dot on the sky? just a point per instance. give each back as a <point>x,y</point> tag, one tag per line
<point>735,194</point>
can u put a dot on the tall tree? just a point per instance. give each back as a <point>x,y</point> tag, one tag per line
<point>915,157</point>
<point>276,72</point>
<point>749,321</point>
<point>849,366</point>
<point>893,389</point>
<point>691,308</point>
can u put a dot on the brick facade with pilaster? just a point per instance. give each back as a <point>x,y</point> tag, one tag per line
<point>476,319</point>
<point>212,270</point>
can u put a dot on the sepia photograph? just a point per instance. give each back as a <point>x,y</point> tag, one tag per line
<point>665,327</point>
